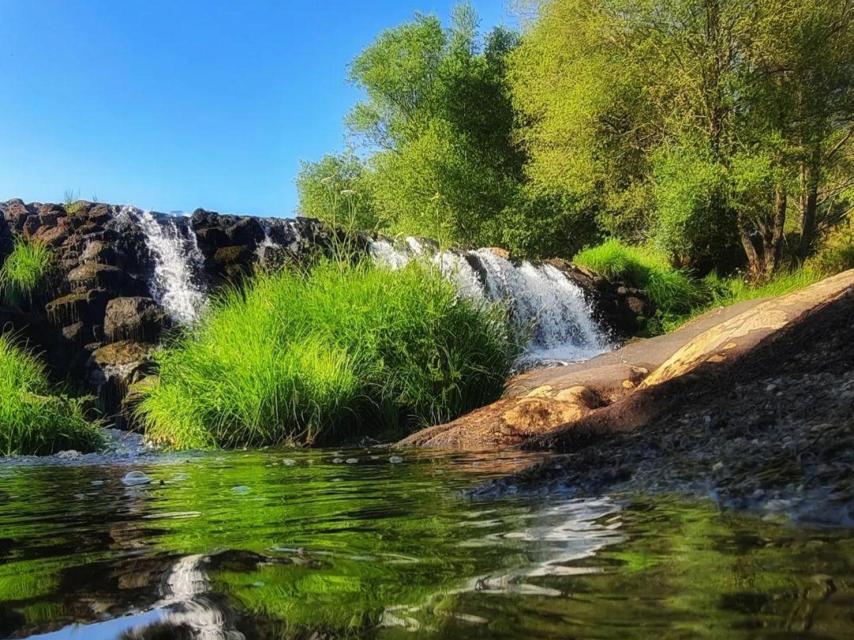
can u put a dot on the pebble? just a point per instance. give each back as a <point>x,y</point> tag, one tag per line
<point>68,455</point>
<point>352,460</point>
<point>241,489</point>
<point>395,459</point>
<point>289,462</point>
<point>133,478</point>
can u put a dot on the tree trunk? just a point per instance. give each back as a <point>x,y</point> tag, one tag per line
<point>773,242</point>
<point>755,262</point>
<point>809,206</point>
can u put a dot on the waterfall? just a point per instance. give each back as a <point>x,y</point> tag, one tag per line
<point>543,302</point>
<point>177,265</point>
<point>266,244</point>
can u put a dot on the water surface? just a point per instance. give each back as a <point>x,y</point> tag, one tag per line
<point>365,544</point>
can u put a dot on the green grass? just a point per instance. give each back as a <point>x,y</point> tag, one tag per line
<point>671,290</point>
<point>33,421</point>
<point>25,271</point>
<point>678,296</point>
<point>342,351</point>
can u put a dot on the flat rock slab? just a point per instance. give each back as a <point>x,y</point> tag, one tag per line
<point>540,405</point>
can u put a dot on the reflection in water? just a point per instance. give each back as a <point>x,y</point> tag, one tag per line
<point>314,547</point>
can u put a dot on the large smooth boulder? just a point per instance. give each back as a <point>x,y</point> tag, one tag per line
<point>133,318</point>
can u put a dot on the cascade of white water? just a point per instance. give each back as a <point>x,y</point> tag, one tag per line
<point>177,263</point>
<point>544,303</point>
<point>265,244</point>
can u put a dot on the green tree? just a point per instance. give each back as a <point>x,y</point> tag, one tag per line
<point>690,121</point>
<point>437,125</point>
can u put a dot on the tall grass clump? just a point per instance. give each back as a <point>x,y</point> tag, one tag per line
<point>25,271</point>
<point>671,290</point>
<point>33,421</point>
<point>344,350</point>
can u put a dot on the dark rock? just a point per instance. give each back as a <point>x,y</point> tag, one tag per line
<point>133,318</point>
<point>51,236</point>
<point>75,333</point>
<point>114,368</point>
<point>105,276</point>
<point>236,254</point>
<point>86,306</point>
<point>210,238</point>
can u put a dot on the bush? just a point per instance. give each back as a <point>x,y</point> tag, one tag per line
<point>837,252</point>
<point>671,290</point>
<point>344,350</point>
<point>24,272</point>
<point>32,421</point>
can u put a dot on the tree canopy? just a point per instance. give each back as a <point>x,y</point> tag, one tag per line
<point>718,130</point>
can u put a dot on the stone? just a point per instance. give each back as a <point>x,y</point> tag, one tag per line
<point>86,306</point>
<point>51,236</point>
<point>113,368</point>
<point>95,274</point>
<point>133,318</point>
<point>75,333</point>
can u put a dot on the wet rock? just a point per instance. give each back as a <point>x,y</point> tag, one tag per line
<point>113,368</point>
<point>134,318</point>
<point>95,274</point>
<point>87,307</point>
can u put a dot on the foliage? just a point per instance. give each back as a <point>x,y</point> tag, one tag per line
<point>837,251</point>
<point>25,271</point>
<point>336,190</point>
<point>437,123</point>
<point>346,349</point>
<point>32,421</point>
<point>660,116</point>
<point>692,226</point>
<point>671,290</point>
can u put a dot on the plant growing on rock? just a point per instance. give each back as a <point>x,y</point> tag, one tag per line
<point>32,420</point>
<point>25,271</point>
<point>344,350</point>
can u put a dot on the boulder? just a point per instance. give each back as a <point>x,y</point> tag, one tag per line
<point>86,306</point>
<point>114,368</point>
<point>133,318</point>
<point>104,276</point>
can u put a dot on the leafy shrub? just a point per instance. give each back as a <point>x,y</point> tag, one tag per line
<point>671,290</point>
<point>837,252</point>
<point>346,349</point>
<point>25,271</point>
<point>32,421</point>
<point>695,225</point>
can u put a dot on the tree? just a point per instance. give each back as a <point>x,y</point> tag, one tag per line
<point>439,121</point>
<point>691,122</point>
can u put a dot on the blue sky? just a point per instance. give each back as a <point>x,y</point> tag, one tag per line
<point>173,105</point>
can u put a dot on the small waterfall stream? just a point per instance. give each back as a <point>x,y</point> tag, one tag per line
<point>542,300</point>
<point>177,265</point>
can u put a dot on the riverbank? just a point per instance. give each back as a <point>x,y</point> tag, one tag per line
<point>771,430</point>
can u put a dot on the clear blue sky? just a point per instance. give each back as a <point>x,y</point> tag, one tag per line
<point>177,104</point>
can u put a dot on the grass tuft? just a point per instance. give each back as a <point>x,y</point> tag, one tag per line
<point>25,271</point>
<point>32,420</point>
<point>671,290</point>
<point>344,350</point>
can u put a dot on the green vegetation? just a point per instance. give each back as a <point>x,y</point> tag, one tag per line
<point>32,420</point>
<point>671,290</point>
<point>346,349</point>
<point>25,271</point>
<point>715,133</point>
